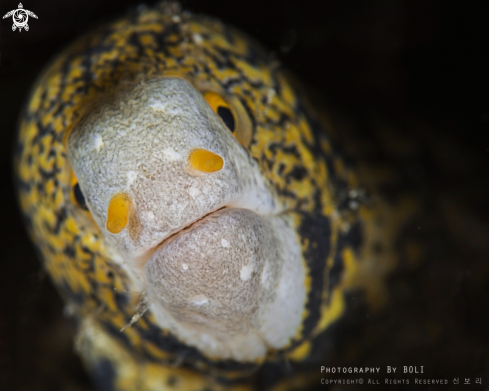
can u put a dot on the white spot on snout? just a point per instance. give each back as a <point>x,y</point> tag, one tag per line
<point>131,176</point>
<point>184,266</point>
<point>246,272</point>
<point>171,155</point>
<point>199,300</point>
<point>157,105</point>
<point>224,243</point>
<point>98,142</point>
<point>150,215</point>
<point>193,192</point>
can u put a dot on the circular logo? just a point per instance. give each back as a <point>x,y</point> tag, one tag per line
<point>20,17</point>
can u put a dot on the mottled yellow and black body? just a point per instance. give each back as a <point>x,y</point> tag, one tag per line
<point>348,232</point>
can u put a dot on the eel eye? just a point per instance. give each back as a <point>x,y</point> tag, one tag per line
<point>222,109</point>
<point>227,116</point>
<point>79,197</point>
<point>76,195</point>
<point>232,114</point>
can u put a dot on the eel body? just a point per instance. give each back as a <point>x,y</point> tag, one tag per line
<point>195,213</point>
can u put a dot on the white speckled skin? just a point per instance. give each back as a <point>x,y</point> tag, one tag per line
<point>222,284</point>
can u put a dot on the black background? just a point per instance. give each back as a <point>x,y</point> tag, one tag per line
<point>421,65</point>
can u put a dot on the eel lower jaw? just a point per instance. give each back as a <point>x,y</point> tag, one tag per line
<point>222,283</point>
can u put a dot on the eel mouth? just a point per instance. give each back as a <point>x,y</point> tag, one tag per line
<point>186,228</point>
<point>139,261</point>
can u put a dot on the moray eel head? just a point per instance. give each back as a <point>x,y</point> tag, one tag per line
<point>180,200</point>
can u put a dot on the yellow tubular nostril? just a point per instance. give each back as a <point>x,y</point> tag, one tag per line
<point>205,161</point>
<point>118,213</point>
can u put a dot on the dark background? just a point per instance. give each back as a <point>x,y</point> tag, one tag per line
<point>422,66</point>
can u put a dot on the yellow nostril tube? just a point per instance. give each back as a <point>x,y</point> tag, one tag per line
<point>205,161</point>
<point>118,213</point>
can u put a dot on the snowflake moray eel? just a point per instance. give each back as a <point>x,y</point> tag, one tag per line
<point>194,211</point>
